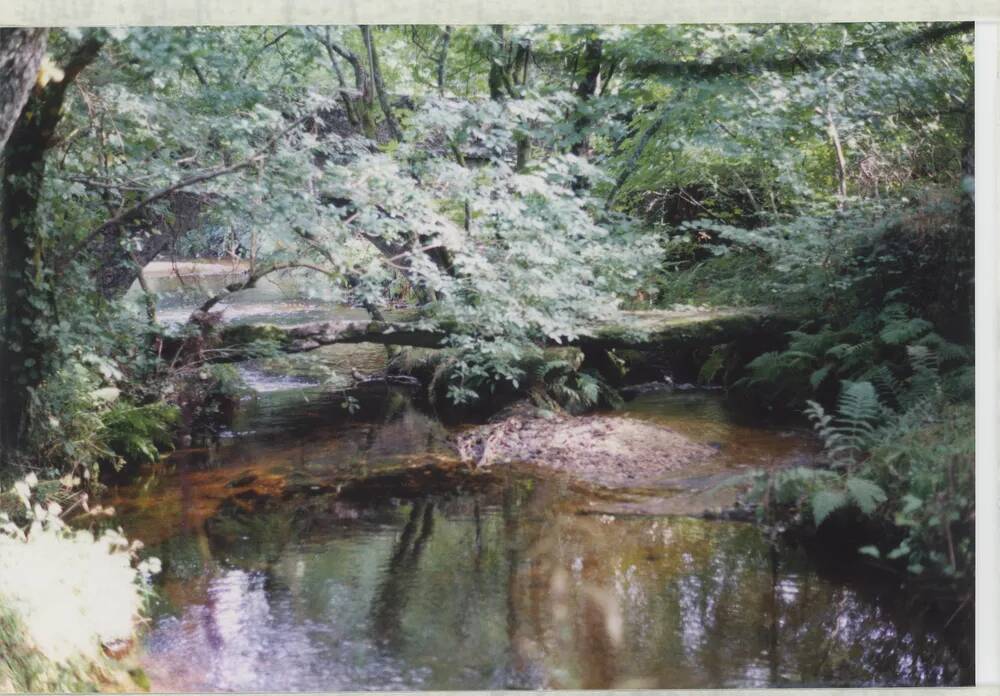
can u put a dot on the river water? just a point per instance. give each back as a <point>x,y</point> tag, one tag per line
<point>318,549</point>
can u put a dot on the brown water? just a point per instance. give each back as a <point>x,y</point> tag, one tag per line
<point>272,581</point>
<point>314,549</point>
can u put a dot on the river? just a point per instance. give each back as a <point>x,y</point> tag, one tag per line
<point>317,549</point>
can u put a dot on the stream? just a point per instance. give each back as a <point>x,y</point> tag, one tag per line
<point>315,549</point>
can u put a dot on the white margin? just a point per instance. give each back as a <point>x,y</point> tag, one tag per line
<point>987,254</point>
<point>987,357</point>
<point>260,12</point>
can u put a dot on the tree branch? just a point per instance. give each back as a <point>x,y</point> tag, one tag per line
<point>133,211</point>
<point>252,280</point>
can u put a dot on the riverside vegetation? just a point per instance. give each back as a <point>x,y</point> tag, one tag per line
<point>533,218</point>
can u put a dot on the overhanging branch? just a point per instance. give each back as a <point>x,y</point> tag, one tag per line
<point>130,213</point>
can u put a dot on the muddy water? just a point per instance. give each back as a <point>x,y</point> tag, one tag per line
<point>318,549</point>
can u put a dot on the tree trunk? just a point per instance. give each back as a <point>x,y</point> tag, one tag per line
<point>21,52</point>
<point>443,59</point>
<point>501,82</point>
<point>24,356</point>
<point>498,76</point>
<point>116,267</point>
<point>586,88</point>
<point>376,72</point>
<point>363,105</point>
<point>348,104</point>
<point>27,295</point>
<point>658,330</point>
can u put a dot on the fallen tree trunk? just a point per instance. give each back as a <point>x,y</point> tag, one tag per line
<point>658,330</point>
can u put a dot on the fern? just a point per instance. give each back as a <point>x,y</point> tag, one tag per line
<point>898,333</point>
<point>858,412</point>
<point>767,367</point>
<point>853,429</point>
<point>138,433</point>
<point>819,376</point>
<point>559,383</point>
<point>852,357</point>
<point>814,344</point>
<point>714,364</point>
<point>886,383</point>
<point>865,494</point>
<point>825,501</point>
<point>924,383</point>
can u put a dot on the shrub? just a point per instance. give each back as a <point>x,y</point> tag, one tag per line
<point>66,596</point>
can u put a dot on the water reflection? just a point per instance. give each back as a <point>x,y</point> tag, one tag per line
<point>404,597</point>
<point>511,583</point>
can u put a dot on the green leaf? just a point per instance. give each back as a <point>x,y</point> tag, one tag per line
<point>870,551</point>
<point>817,377</point>
<point>911,503</point>
<point>866,494</point>
<point>826,501</point>
<point>899,551</point>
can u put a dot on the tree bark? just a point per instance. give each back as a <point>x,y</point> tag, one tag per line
<point>27,294</point>
<point>640,331</point>
<point>838,150</point>
<point>442,59</point>
<point>348,104</point>
<point>499,78</point>
<point>21,53</point>
<point>586,88</point>
<point>363,105</point>
<point>376,72</point>
<point>116,267</point>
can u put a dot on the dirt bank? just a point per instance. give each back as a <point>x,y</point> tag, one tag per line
<point>612,451</point>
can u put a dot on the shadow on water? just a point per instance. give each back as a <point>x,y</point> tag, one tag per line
<point>319,550</point>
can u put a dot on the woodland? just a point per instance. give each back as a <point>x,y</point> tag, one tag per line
<point>551,215</point>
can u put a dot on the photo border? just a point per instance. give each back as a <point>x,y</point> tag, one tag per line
<point>987,255</point>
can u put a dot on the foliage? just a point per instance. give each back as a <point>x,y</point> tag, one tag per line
<point>139,433</point>
<point>910,467</point>
<point>511,186</point>
<point>52,571</point>
<point>81,421</point>
<point>503,180</point>
<point>887,349</point>
<point>561,383</point>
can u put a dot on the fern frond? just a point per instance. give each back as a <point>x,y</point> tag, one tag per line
<point>825,501</point>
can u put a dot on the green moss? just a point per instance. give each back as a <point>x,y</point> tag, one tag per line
<point>252,334</point>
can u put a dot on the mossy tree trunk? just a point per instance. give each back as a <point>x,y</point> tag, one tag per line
<point>26,284</point>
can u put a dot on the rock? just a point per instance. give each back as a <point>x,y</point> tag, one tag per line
<point>610,451</point>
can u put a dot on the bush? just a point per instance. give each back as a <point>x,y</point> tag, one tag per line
<point>66,597</point>
<point>80,420</point>
<point>911,472</point>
